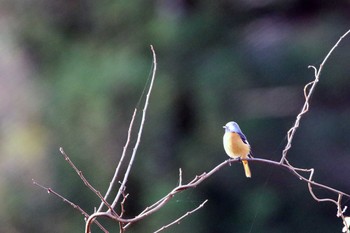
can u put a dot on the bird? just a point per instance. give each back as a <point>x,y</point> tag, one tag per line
<point>236,145</point>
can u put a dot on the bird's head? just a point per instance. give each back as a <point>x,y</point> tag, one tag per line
<point>232,127</point>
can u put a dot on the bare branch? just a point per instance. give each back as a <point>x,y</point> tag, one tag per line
<point>126,175</point>
<point>92,218</point>
<point>111,184</point>
<point>159,204</point>
<point>294,170</point>
<point>340,214</point>
<point>196,181</point>
<point>308,90</point>
<point>180,176</point>
<point>199,179</point>
<point>50,190</point>
<point>309,184</point>
<point>82,177</point>
<point>346,222</point>
<point>122,211</point>
<point>182,217</point>
<point>307,95</point>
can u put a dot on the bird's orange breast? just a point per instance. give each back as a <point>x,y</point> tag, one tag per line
<point>234,146</point>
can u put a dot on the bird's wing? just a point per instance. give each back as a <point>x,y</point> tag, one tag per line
<point>243,137</point>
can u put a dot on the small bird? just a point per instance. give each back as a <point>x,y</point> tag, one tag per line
<point>236,145</point>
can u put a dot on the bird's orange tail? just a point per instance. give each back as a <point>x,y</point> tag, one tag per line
<point>248,174</point>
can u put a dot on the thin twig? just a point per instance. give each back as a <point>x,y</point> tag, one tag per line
<point>309,184</point>
<point>346,222</point>
<point>122,211</point>
<point>86,182</point>
<point>180,176</point>
<point>50,190</point>
<point>307,94</point>
<point>308,90</point>
<point>111,184</point>
<point>341,212</point>
<point>182,217</point>
<point>93,217</point>
<point>126,175</point>
<point>294,170</point>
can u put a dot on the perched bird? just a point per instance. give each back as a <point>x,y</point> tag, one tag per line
<point>236,145</point>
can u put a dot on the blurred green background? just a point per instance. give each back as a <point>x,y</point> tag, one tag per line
<point>72,72</point>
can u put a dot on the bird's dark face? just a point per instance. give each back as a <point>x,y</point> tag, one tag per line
<point>232,127</point>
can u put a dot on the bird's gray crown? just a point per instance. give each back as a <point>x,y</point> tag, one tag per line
<point>232,127</point>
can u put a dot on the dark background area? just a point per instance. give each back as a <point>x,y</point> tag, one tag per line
<point>72,72</point>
